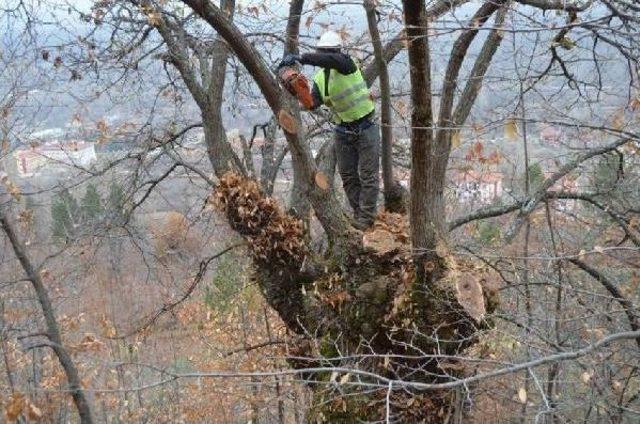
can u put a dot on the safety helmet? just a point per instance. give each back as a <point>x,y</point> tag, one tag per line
<point>329,40</point>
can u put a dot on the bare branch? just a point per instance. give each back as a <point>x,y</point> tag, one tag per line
<point>53,331</point>
<point>615,292</point>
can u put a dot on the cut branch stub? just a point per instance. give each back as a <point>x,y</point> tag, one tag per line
<point>470,296</point>
<point>469,291</point>
<point>322,181</point>
<point>287,122</point>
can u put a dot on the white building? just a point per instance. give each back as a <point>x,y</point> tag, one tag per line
<point>477,187</point>
<point>54,156</point>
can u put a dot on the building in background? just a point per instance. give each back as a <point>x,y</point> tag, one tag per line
<point>54,157</point>
<point>474,187</point>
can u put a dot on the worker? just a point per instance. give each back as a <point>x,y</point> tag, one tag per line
<point>340,86</point>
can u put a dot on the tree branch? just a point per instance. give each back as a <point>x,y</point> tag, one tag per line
<point>541,192</point>
<point>557,5</point>
<point>458,54</point>
<point>480,67</point>
<point>397,43</point>
<point>615,292</point>
<point>53,331</point>
<point>324,202</point>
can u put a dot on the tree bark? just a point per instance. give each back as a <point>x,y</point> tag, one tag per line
<point>427,214</point>
<point>221,154</point>
<point>298,201</point>
<point>394,193</point>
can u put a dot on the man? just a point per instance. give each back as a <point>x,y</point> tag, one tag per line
<point>340,86</point>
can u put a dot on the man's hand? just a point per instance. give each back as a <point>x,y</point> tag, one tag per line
<point>289,60</point>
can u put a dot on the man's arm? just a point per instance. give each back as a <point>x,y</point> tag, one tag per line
<point>329,60</point>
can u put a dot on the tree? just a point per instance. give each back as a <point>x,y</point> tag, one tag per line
<point>397,319</point>
<point>91,206</point>
<point>394,193</point>
<point>116,203</point>
<point>53,337</point>
<point>65,216</point>
<point>442,304</point>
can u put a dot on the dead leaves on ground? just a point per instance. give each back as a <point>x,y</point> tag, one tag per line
<point>390,233</point>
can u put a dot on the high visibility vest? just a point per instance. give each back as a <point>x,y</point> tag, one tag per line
<point>347,95</point>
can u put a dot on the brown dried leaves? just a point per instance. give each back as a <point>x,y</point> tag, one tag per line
<point>275,238</point>
<point>389,234</point>
<point>18,405</point>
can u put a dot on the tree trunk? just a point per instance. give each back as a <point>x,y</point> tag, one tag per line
<point>394,193</point>
<point>298,201</point>
<point>221,155</point>
<point>427,213</point>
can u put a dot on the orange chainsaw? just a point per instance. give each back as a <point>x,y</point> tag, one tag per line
<point>296,84</point>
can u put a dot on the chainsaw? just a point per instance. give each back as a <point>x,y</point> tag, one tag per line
<point>296,84</point>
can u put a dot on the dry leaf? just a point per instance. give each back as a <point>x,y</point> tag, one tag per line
<point>618,120</point>
<point>477,149</point>
<point>254,10</point>
<point>511,129</point>
<point>33,412</point>
<point>455,140</point>
<point>12,188</point>
<point>586,377</point>
<point>617,386</point>
<point>15,406</point>
<point>287,122</point>
<point>322,181</point>
<point>522,395</point>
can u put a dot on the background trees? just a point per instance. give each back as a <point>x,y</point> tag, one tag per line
<point>400,324</point>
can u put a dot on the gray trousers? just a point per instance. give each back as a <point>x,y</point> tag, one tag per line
<point>358,156</point>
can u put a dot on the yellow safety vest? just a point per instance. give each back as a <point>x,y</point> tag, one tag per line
<point>347,95</point>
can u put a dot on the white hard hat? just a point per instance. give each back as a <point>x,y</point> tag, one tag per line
<point>329,40</point>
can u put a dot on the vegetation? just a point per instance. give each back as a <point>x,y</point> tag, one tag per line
<point>204,275</point>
